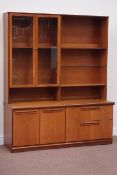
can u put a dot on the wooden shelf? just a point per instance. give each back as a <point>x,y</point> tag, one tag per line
<point>81,46</point>
<point>22,86</point>
<point>22,45</point>
<point>82,85</point>
<point>30,86</point>
<point>84,66</point>
<point>46,46</point>
<point>47,85</point>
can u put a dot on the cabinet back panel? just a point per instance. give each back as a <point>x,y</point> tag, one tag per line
<point>22,67</point>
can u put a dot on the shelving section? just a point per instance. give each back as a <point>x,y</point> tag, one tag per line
<point>55,66</point>
<point>84,56</point>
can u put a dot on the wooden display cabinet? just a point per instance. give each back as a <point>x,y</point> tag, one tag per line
<point>56,81</point>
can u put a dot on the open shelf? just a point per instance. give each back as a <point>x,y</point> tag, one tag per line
<point>83,58</point>
<point>22,32</point>
<point>84,32</point>
<point>47,32</point>
<point>83,67</point>
<point>22,67</point>
<point>32,94</point>
<point>78,93</point>
<point>78,75</point>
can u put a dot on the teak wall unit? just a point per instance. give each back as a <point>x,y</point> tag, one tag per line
<point>56,81</point>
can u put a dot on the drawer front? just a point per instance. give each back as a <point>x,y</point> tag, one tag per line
<point>92,130</point>
<point>52,125</point>
<point>89,130</point>
<point>25,127</point>
<point>95,113</point>
<point>88,123</point>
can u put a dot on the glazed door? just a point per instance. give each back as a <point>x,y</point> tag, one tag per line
<point>21,52</point>
<point>48,50</point>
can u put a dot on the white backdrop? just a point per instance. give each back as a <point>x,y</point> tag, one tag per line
<point>82,7</point>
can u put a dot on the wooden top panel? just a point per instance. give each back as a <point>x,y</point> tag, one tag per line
<point>64,103</point>
<point>48,14</point>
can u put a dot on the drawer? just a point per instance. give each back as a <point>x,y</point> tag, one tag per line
<point>88,123</point>
<point>25,127</point>
<point>93,130</point>
<point>95,113</point>
<point>52,125</point>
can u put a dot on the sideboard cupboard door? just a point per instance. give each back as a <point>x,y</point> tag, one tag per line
<point>72,128</point>
<point>25,127</point>
<point>52,125</point>
<point>88,123</point>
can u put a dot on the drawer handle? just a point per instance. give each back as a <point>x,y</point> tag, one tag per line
<point>24,112</point>
<point>52,110</point>
<point>89,108</point>
<point>90,123</point>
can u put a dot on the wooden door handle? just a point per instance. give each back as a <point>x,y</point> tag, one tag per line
<point>90,108</point>
<point>24,112</point>
<point>52,110</point>
<point>89,123</point>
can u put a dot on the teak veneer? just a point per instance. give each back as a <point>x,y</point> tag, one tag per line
<point>56,81</point>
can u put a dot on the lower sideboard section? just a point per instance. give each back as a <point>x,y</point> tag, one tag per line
<point>60,127</point>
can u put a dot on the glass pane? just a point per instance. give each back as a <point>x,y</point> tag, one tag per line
<point>48,31</point>
<point>47,65</point>
<point>22,66</point>
<point>22,28</point>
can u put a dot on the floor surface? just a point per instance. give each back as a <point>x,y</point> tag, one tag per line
<point>87,160</point>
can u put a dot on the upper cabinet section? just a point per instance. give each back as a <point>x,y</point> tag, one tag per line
<point>84,32</point>
<point>59,52</point>
<point>22,31</point>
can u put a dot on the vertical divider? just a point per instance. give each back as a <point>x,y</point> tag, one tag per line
<point>10,49</point>
<point>58,95</point>
<point>104,75</point>
<point>35,50</point>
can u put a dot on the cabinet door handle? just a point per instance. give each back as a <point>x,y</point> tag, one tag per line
<point>52,110</point>
<point>24,112</point>
<point>89,123</point>
<point>89,108</point>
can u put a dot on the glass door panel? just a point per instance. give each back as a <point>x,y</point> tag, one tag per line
<point>47,50</point>
<point>22,51</point>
